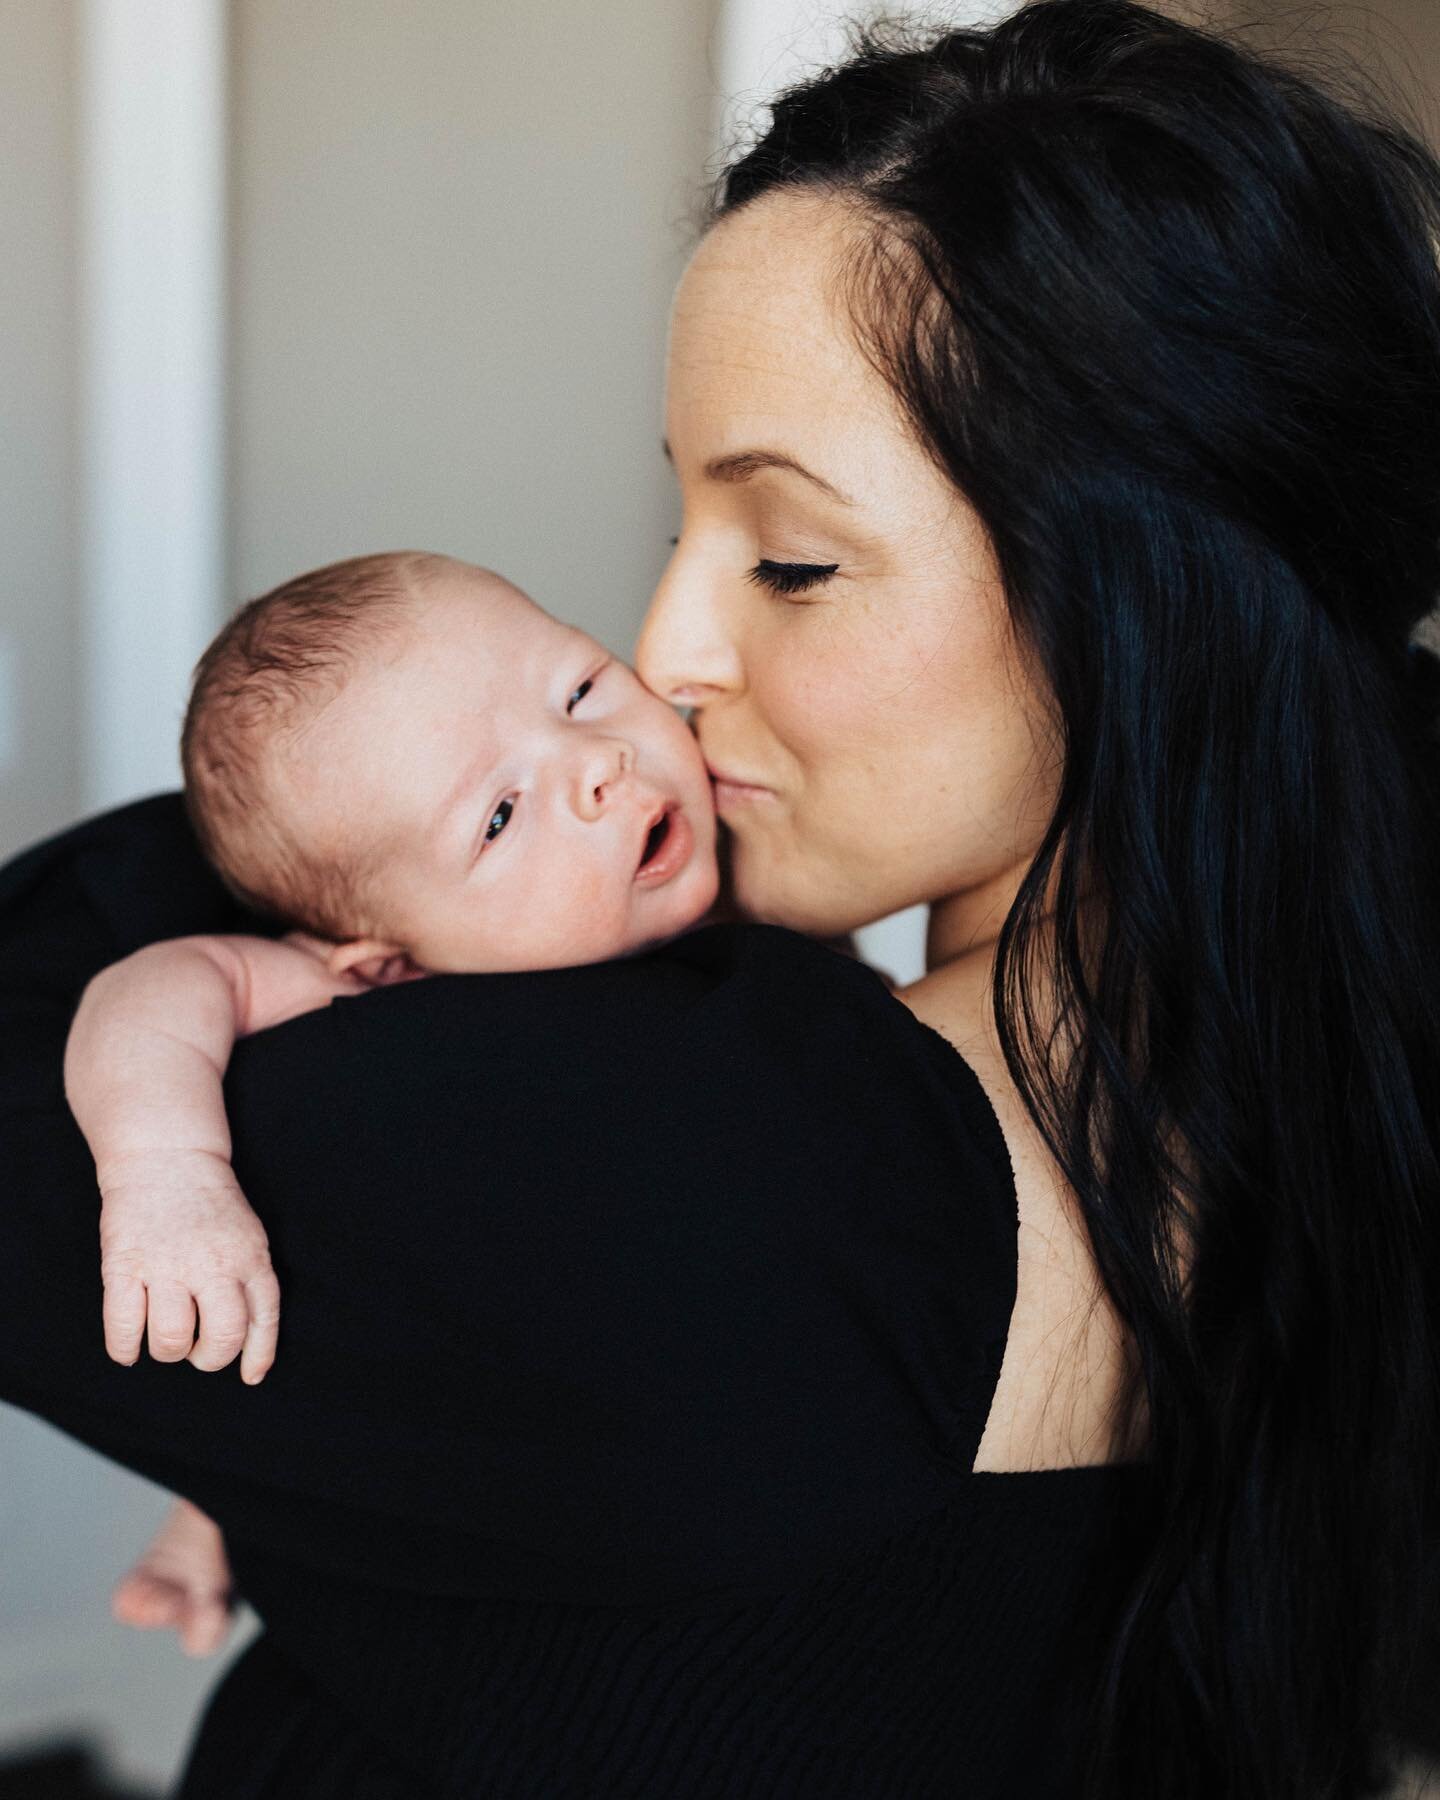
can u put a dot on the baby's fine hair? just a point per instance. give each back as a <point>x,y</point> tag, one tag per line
<point>274,664</point>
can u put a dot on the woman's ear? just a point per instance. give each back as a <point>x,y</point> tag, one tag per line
<point>372,961</point>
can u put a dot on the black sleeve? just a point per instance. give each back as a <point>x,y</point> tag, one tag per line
<point>670,1278</point>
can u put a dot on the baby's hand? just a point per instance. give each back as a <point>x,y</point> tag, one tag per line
<point>176,1233</point>
<point>182,1582</point>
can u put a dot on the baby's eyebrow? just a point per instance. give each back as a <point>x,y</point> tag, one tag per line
<point>466,783</point>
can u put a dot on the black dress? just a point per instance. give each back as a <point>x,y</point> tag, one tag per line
<point>640,1322</point>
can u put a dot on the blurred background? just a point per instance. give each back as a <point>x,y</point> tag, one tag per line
<point>288,280</point>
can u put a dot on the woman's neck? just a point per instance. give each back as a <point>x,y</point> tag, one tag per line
<point>964,927</point>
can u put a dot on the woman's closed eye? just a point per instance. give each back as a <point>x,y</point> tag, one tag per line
<point>786,577</point>
<point>790,578</point>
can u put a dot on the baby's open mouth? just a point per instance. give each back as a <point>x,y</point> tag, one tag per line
<point>669,845</point>
<point>659,831</point>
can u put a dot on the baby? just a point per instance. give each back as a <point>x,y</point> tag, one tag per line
<point>409,762</point>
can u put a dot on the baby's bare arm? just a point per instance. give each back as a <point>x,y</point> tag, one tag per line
<point>144,1064</point>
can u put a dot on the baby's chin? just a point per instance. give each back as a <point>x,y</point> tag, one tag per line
<point>693,903</point>
<point>658,914</point>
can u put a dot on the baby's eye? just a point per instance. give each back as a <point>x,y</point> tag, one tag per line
<point>579,694</point>
<point>499,819</point>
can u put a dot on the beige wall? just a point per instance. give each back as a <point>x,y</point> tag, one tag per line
<point>1420,21</point>
<point>457,228</point>
<point>38,715</point>
<point>1398,40</point>
<point>1406,39</point>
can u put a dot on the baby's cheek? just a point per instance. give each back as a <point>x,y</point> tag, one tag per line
<point>588,908</point>
<point>702,881</point>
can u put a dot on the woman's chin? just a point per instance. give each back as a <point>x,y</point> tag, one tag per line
<point>770,903</point>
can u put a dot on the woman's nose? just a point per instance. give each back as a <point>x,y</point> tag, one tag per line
<point>605,766</point>
<point>686,652</point>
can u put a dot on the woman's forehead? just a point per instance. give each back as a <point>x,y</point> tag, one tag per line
<point>759,334</point>
<point>762,284</point>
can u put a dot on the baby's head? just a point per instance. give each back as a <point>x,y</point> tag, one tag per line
<point>404,754</point>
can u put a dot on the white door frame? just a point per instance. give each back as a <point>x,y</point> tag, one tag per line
<point>151,253</point>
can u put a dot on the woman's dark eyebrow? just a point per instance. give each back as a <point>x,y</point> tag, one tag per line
<point>742,464</point>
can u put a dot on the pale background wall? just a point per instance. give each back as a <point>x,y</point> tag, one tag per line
<point>453,230</point>
<point>38,773</point>
<point>456,232</point>
<point>67,1520</point>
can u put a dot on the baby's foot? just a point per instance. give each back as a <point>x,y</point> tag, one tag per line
<point>181,1583</point>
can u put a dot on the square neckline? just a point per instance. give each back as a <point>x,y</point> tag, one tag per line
<point>976,1103</point>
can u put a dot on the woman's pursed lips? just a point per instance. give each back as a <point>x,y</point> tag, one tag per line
<point>731,792</point>
<point>739,785</point>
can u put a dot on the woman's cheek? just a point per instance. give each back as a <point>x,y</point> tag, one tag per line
<point>806,694</point>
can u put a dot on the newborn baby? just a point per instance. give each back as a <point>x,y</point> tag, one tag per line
<point>407,760</point>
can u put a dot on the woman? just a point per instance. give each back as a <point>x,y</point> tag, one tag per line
<point>1055,412</point>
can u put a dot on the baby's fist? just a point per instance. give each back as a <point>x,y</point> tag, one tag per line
<point>177,1234</point>
<point>181,1583</point>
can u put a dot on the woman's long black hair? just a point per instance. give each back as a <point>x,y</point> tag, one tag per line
<point>1167,312</point>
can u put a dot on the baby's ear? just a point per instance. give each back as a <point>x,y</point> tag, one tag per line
<point>375,963</point>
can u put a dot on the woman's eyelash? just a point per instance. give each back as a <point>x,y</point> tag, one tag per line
<point>790,578</point>
<point>786,578</point>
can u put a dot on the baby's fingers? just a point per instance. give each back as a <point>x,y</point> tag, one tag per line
<point>172,1322</point>
<point>204,1625</point>
<point>146,1602</point>
<point>263,1293</point>
<point>224,1316</point>
<point>123,1313</point>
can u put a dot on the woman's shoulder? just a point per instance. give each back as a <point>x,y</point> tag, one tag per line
<point>723,1010</point>
<point>735,1261</point>
<point>745,1060</point>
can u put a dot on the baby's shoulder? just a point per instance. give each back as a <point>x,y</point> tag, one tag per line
<point>750,1002</point>
<point>750,1039</point>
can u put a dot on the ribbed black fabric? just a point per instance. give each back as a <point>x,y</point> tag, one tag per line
<point>942,1662</point>
<point>640,1325</point>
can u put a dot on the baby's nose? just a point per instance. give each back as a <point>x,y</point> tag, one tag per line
<point>607,766</point>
